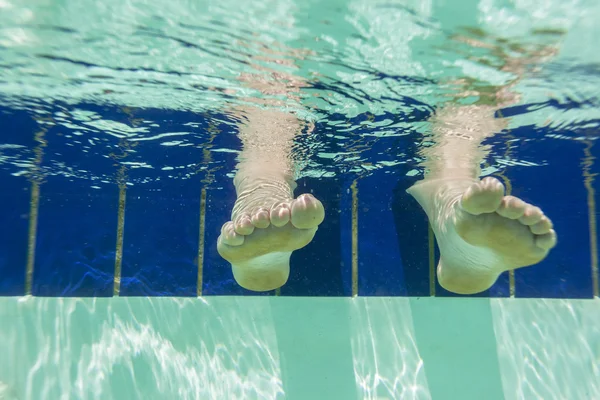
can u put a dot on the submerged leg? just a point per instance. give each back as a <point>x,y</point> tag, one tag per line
<point>267,223</point>
<point>480,231</point>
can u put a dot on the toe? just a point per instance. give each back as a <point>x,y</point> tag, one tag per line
<point>483,197</point>
<point>511,207</point>
<point>547,240</point>
<point>243,225</point>
<point>541,227</point>
<point>491,184</point>
<point>531,216</point>
<point>260,218</point>
<point>307,212</point>
<point>280,214</point>
<point>229,236</point>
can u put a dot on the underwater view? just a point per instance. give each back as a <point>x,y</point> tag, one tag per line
<point>345,199</point>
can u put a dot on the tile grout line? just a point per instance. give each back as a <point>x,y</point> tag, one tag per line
<point>34,206</point>
<point>511,284</point>
<point>201,242</point>
<point>354,239</point>
<point>119,245</point>
<point>588,180</point>
<point>431,256</point>
<point>125,147</point>
<point>507,184</point>
<point>213,131</point>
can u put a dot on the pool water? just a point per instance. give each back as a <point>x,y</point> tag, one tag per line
<point>299,348</point>
<point>117,152</point>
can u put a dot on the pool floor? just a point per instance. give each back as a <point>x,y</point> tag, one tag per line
<point>299,348</point>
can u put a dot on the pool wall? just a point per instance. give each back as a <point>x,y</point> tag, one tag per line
<point>131,235</point>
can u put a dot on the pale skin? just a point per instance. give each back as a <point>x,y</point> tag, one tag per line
<point>267,223</point>
<point>481,232</point>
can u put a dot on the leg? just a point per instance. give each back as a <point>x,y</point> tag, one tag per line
<point>480,231</point>
<point>267,223</point>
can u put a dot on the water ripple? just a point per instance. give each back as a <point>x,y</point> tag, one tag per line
<point>139,348</point>
<point>324,62</point>
<point>548,349</point>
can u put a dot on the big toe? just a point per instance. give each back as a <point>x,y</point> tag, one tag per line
<point>307,212</point>
<point>483,197</point>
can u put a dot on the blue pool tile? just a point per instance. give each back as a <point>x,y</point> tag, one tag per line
<point>17,131</point>
<point>161,239</point>
<point>14,220</point>
<point>502,286</point>
<point>558,188</point>
<point>76,234</point>
<point>380,266</point>
<point>316,270</point>
<point>411,227</point>
<point>76,237</point>
<point>346,237</point>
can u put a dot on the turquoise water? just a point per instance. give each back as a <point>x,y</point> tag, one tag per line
<point>368,58</point>
<point>299,348</point>
<point>354,67</point>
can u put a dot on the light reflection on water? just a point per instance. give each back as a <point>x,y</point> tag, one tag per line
<point>387,364</point>
<point>139,348</point>
<point>270,348</point>
<point>345,66</point>
<point>548,348</point>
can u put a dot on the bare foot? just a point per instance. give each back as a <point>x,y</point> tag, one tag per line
<point>259,241</point>
<point>481,232</point>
